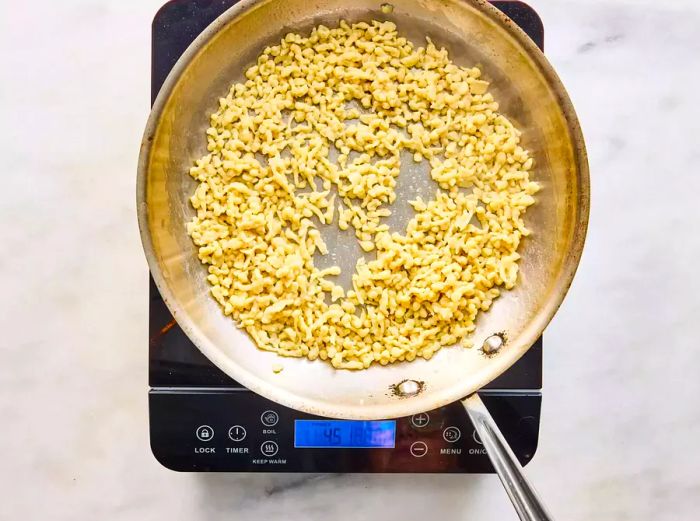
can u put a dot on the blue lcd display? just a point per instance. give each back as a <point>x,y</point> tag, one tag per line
<point>323,434</point>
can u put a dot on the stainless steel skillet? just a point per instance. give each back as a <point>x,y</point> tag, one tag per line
<point>529,93</point>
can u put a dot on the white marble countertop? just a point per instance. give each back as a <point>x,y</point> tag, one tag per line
<point>620,422</point>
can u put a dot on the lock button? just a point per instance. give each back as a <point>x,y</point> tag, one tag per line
<point>204,433</point>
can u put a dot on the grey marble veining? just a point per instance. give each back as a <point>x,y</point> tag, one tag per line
<point>621,420</point>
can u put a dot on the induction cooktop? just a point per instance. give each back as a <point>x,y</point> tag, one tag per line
<point>202,420</point>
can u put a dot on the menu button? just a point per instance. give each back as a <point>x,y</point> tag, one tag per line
<point>451,434</point>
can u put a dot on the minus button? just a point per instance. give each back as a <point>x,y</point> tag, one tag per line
<point>419,449</point>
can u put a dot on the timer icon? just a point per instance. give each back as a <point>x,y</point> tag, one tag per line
<point>236,433</point>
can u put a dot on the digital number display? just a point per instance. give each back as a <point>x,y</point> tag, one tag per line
<point>344,434</point>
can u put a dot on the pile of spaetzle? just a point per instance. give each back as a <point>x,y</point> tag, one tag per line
<point>268,182</point>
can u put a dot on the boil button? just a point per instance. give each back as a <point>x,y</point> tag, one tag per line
<point>269,418</point>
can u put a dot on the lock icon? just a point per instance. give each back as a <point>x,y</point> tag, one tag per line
<point>204,433</point>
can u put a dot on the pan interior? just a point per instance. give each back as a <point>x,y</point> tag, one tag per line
<point>529,94</point>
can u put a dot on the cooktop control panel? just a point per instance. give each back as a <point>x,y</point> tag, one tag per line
<point>236,430</point>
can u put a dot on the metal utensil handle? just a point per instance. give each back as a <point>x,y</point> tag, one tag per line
<point>525,500</point>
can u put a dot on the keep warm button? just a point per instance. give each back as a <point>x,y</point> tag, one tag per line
<point>269,448</point>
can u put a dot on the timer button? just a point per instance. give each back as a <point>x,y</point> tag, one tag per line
<point>269,418</point>
<point>419,449</point>
<point>420,420</point>
<point>236,433</point>
<point>269,448</point>
<point>204,433</point>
